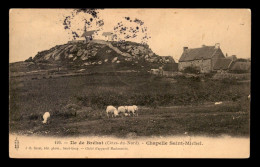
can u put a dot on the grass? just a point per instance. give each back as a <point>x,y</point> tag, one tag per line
<point>77,105</point>
<point>163,122</point>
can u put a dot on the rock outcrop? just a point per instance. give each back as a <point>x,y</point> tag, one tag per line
<point>98,52</point>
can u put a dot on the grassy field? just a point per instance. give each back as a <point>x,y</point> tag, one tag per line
<point>77,105</point>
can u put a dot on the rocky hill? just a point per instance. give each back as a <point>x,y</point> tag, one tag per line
<point>83,54</point>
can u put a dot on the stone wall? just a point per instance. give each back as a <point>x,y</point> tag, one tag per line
<point>204,65</point>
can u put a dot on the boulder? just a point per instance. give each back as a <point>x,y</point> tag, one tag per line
<point>81,70</point>
<point>47,56</point>
<point>129,47</point>
<point>114,60</point>
<point>57,57</point>
<point>141,48</point>
<point>93,53</point>
<point>80,52</point>
<point>74,49</point>
<point>70,56</point>
<point>135,51</point>
<point>87,64</point>
<point>151,54</point>
<point>84,57</point>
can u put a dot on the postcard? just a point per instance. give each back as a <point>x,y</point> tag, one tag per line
<point>129,83</point>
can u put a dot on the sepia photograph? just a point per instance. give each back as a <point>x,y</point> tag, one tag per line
<point>129,83</point>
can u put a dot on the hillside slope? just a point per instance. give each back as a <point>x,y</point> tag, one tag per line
<point>97,52</point>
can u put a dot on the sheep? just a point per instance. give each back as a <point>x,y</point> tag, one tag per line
<point>218,103</point>
<point>136,110</point>
<point>116,113</point>
<point>122,110</point>
<point>132,110</point>
<point>111,110</point>
<point>46,115</point>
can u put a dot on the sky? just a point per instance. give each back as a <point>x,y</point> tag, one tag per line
<point>35,30</point>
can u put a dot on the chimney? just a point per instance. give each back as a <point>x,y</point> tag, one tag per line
<point>217,46</point>
<point>234,57</point>
<point>185,48</point>
<point>85,27</point>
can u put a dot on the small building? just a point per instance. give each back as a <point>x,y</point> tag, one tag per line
<point>170,67</point>
<point>88,35</point>
<point>222,65</point>
<point>203,58</point>
<point>167,59</point>
<point>109,36</point>
<point>240,66</point>
<point>233,57</point>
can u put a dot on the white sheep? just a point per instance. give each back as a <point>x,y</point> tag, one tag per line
<point>132,110</point>
<point>46,116</point>
<point>122,110</point>
<point>218,103</point>
<point>111,110</point>
<point>136,110</point>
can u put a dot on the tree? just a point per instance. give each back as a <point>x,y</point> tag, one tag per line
<point>81,20</point>
<point>129,29</point>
